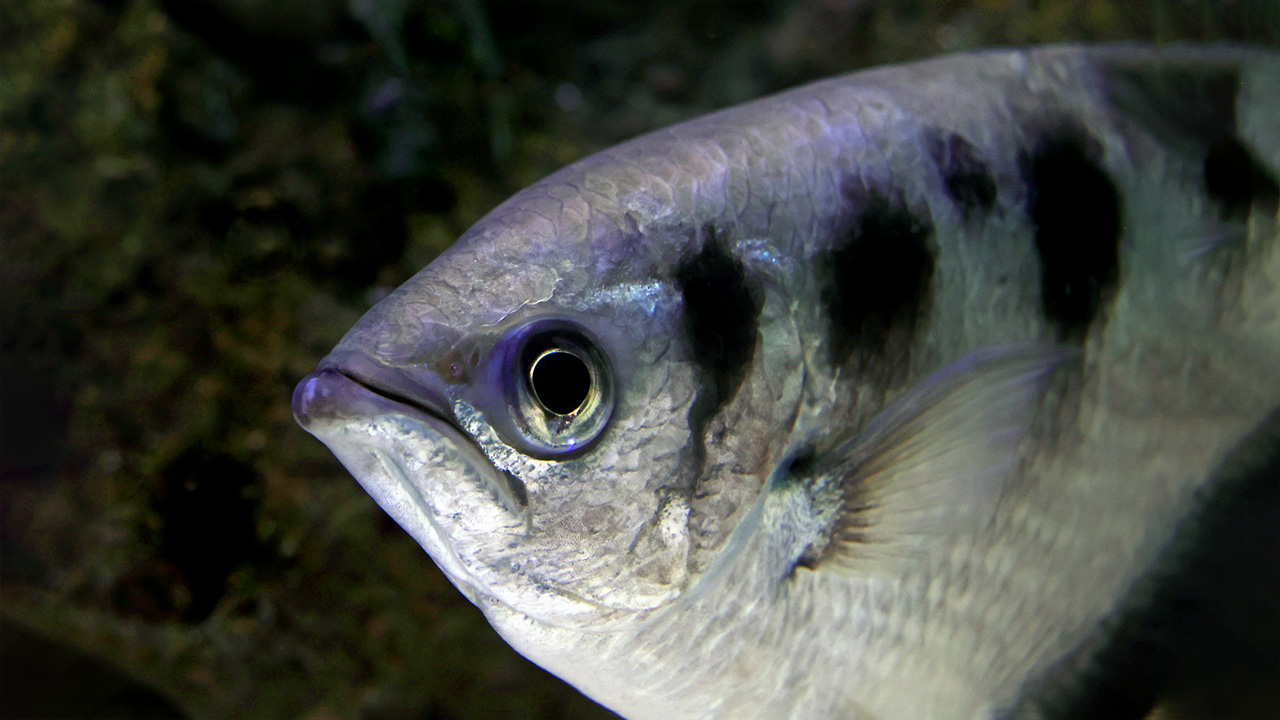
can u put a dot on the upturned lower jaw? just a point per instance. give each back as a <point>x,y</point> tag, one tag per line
<point>417,465</point>
<point>402,390</point>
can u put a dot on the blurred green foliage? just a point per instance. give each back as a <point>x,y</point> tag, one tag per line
<point>198,198</point>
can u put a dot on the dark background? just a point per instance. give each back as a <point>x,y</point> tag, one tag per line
<point>198,197</point>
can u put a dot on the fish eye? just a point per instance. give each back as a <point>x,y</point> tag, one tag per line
<point>563,389</point>
<point>560,381</point>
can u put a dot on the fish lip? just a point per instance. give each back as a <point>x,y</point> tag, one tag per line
<point>393,384</point>
<point>403,388</point>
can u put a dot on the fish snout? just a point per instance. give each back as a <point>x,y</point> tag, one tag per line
<point>325,395</point>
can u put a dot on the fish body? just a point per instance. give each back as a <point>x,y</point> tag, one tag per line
<point>892,396</point>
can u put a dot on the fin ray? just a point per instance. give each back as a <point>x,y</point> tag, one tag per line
<point>934,456</point>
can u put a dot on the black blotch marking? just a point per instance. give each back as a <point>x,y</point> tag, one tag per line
<point>721,318</point>
<point>967,179</point>
<point>1190,106</point>
<point>1076,211</point>
<point>1235,179</point>
<point>208,504</point>
<point>1184,103</point>
<point>721,314</point>
<point>878,285</point>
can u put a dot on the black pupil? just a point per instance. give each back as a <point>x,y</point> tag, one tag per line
<point>561,381</point>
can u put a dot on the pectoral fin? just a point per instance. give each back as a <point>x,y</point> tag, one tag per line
<point>931,461</point>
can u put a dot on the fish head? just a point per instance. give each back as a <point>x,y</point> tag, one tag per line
<point>529,408</point>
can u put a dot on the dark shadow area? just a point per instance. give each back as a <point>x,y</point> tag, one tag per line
<point>44,679</point>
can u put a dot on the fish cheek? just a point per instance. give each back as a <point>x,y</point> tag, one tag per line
<point>661,549</point>
<point>746,439</point>
<point>617,513</point>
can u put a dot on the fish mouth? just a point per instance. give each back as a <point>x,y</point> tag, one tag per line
<point>402,447</point>
<point>389,431</point>
<point>396,390</point>
<point>391,383</point>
